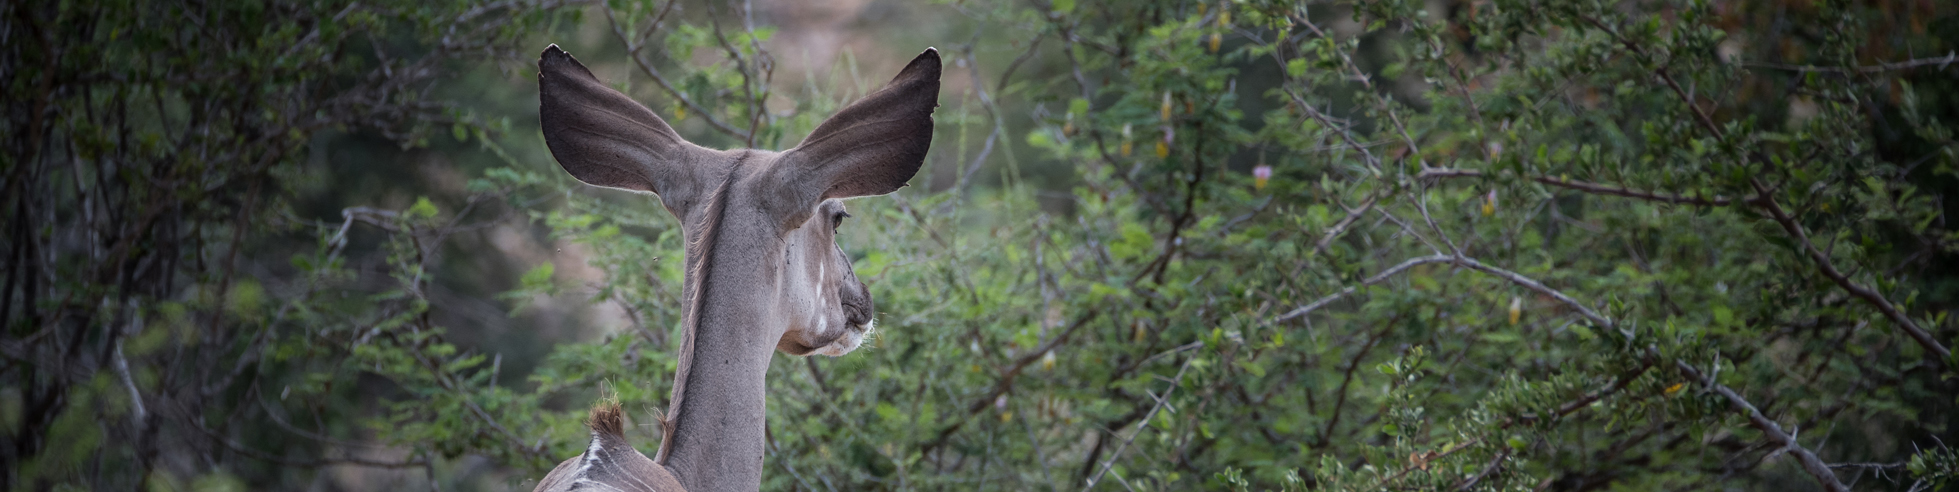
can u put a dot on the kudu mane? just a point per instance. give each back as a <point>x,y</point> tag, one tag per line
<point>699,250</point>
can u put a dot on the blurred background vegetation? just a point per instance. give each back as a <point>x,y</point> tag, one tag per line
<point>1158,245</point>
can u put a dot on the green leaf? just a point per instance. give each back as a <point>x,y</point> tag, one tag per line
<point>1584,332</point>
<point>539,278</point>
<point>422,208</point>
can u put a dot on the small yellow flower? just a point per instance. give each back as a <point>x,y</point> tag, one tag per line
<point>1260,175</point>
<point>1047,361</point>
<point>1164,111</point>
<point>1224,17</point>
<point>1489,204</point>
<point>1516,306</point>
<point>1216,39</point>
<point>679,113</point>
<point>1162,149</point>
<point>1006,417</point>
<point>1675,388</point>
<point>1126,145</point>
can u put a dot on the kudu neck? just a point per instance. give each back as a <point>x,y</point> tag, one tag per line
<point>717,438</point>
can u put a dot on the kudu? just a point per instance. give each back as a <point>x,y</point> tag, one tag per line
<point>763,272</point>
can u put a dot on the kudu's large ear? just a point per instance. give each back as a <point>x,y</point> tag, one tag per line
<point>873,146</point>
<point>606,139</point>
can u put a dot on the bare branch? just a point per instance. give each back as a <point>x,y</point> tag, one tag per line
<point>1942,62</point>
<point>1143,424</point>
<point>633,47</point>
<point>1462,261</point>
<point>1534,286</point>
<point>1377,278</point>
<point>1494,461</point>
<point>1588,187</point>
<point>1769,428</point>
<point>987,103</point>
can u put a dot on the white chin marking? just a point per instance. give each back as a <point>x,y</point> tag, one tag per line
<point>850,340</point>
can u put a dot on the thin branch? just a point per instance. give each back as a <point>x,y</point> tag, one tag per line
<point>1341,226</point>
<point>260,455</point>
<point>992,113</point>
<point>1143,424</point>
<point>1533,285</point>
<point>1462,261</point>
<point>138,415</point>
<point>1769,428</point>
<point>1421,205</point>
<point>1941,62</point>
<point>633,51</point>
<point>1588,187</point>
<point>1494,461</point>
<point>1377,278</point>
<point>1829,269</point>
<point>1700,117</point>
<point>1347,379</point>
<point>1366,81</point>
<point>1008,377</point>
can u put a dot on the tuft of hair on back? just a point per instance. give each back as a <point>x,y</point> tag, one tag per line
<point>607,419</point>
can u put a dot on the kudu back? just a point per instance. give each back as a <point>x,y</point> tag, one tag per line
<point>764,273</point>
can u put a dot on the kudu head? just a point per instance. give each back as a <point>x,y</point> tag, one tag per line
<point>772,215</point>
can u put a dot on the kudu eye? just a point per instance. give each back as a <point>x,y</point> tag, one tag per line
<point>836,221</point>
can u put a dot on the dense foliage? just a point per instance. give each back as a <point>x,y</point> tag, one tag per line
<point>174,314</point>
<point>1162,245</point>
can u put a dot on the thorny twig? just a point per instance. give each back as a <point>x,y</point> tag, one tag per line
<point>1161,401</point>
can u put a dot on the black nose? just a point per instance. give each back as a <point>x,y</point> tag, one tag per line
<point>857,305</point>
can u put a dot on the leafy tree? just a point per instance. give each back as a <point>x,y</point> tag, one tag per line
<point>1509,245</point>
<point>172,317</point>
